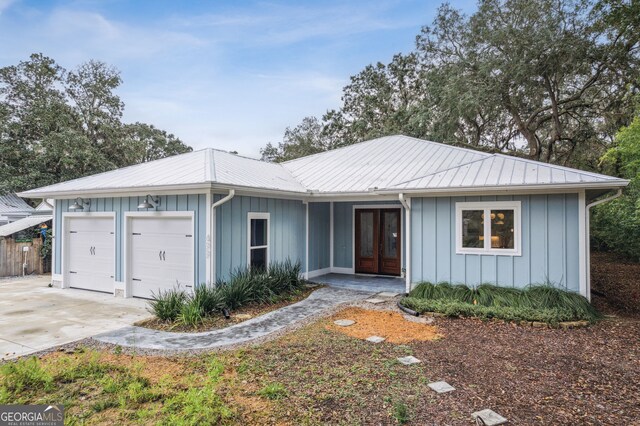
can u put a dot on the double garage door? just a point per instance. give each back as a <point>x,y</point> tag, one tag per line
<point>159,253</point>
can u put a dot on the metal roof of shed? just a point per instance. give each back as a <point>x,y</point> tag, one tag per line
<point>11,203</point>
<point>388,164</point>
<point>25,223</point>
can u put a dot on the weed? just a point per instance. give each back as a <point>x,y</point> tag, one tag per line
<point>24,374</point>
<point>400,413</point>
<point>273,391</point>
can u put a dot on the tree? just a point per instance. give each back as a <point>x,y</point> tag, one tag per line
<point>552,70</point>
<point>305,139</point>
<point>57,125</point>
<point>616,225</point>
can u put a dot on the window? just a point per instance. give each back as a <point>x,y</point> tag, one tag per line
<point>488,227</point>
<point>258,244</point>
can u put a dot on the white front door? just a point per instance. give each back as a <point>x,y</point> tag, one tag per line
<point>90,253</point>
<point>160,254</point>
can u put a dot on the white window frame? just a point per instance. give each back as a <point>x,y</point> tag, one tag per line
<point>258,215</point>
<point>487,206</point>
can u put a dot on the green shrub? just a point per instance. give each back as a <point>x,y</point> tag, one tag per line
<point>167,304</point>
<point>533,303</point>
<point>208,298</point>
<point>190,314</point>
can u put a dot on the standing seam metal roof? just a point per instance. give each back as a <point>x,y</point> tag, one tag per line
<point>391,163</point>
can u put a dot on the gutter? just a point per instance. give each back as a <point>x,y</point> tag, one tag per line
<point>588,233</point>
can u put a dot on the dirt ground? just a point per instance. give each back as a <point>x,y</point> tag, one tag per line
<point>615,284</point>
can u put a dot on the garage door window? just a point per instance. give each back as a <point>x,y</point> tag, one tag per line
<point>258,255</point>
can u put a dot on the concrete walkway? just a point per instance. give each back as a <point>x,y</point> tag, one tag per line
<point>375,284</point>
<point>320,300</point>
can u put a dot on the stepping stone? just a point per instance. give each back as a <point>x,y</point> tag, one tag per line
<point>375,339</point>
<point>441,387</point>
<point>375,301</point>
<point>388,294</point>
<point>344,322</point>
<point>419,320</point>
<point>489,417</point>
<point>408,360</point>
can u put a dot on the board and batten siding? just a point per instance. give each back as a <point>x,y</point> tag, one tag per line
<point>287,231</point>
<point>550,244</point>
<point>343,232</point>
<point>191,202</point>
<point>319,236</point>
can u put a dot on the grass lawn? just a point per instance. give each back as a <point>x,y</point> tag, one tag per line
<point>321,375</point>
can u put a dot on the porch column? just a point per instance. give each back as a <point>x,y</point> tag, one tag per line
<point>406,203</point>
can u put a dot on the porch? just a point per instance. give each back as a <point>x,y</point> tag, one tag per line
<point>373,284</point>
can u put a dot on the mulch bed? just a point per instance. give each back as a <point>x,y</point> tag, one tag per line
<point>218,321</point>
<point>615,284</point>
<point>390,325</point>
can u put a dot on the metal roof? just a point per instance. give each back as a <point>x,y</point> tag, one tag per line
<point>499,170</point>
<point>11,203</point>
<point>387,164</point>
<point>25,223</point>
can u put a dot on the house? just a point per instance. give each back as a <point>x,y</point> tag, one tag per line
<point>395,206</point>
<point>13,208</point>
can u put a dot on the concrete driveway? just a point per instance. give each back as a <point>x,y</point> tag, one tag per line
<point>34,316</point>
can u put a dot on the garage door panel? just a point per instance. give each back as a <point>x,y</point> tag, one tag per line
<point>161,254</point>
<point>90,253</point>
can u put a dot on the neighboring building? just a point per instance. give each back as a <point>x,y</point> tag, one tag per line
<point>390,206</point>
<point>13,208</point>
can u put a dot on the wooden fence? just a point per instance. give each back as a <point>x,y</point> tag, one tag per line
<point>12,257</point>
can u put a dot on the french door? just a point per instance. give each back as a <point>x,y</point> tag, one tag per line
<point>377,238</point>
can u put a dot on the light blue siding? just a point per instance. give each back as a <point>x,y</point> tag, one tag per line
<point>343,232</point>
<point>319,235</point>
<point>550,249</point>
<point>287,231</point>
<point>192,202</point>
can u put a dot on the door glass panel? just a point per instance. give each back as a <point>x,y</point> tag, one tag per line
<point>473,228</point>
<point>366,234</point>
<point>502,229</point>
<point>258,232</point>
<point>390,234</point>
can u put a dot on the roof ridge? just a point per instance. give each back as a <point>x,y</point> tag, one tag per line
<point>444,170</point>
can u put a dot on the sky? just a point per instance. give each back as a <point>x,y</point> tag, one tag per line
<point>231,75</point>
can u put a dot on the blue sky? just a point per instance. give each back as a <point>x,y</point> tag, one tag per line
<point>226,74</point>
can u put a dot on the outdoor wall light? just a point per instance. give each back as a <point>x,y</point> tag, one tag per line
<point>149,202</point>
<point>79,204</point>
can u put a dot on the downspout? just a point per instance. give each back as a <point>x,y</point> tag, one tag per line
<point>588,233</point>
<point>406,203</point>
<point>228,197</point>
<point>306,244</point>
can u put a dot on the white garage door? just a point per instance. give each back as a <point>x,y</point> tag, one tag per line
<point>91,253</point>
<point>161,254</point>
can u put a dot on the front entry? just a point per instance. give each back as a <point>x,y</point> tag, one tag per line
<point>377,241</point>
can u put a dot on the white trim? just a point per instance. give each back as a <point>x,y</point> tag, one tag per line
<point>396,205</point>
<point>54,225</point>
<point>583,220</point>
<point>208,242</point>
<point>258,215</point>
<point>318,272</point>
<point>406,203</point>
<point>331,240</point>
<point>306,241</point>
<point>126,242</point>
<point>487,206</point>
<point>64,244</point>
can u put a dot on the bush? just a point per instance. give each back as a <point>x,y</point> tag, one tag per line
<point>245,286</point>
<point>166,305</point>
<point>534,303</point>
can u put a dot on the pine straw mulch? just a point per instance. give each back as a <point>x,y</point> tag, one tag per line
<point>615,284</point>
<point>390,325</point>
